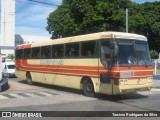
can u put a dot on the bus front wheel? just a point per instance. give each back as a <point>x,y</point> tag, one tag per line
<point>88,89</point>
<point>29,79</point>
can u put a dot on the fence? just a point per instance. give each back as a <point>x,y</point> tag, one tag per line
<point>156,65</point>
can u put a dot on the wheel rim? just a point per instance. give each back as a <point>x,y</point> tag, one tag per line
<point>89,88</point>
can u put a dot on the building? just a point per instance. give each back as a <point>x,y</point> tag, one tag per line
<point>8,38</point>
<point>25,39</point>
<point>7,25</point>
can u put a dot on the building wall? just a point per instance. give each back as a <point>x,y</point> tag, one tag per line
<point>7,24</point>
<point>24,39</point>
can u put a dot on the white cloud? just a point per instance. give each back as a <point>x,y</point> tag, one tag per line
<point>32,31</point>
<point>142,1</point>
<point>32,17</point>
<point>33,14</point>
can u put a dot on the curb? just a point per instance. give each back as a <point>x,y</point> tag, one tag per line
<point>155,89</point>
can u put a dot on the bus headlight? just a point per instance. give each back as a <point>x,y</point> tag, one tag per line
<point>123,81</point>
<point>149,79</point>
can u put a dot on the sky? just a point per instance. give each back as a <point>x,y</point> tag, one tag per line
<point>31,17</point>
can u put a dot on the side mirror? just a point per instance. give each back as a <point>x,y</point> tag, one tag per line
<point>115,50</point>
<point>114,46</point>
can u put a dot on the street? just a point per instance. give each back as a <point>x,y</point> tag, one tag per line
<point>39,97</point>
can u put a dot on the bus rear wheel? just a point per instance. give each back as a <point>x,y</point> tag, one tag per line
<point>88,89</point>
<point>29,79</point>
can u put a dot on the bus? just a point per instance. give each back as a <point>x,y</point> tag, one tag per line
<point>111,63</point>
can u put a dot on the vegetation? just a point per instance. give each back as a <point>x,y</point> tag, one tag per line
<point>10,56</point>
<point>154,54</point>
<point>76,17</point>
<point>145,20</point>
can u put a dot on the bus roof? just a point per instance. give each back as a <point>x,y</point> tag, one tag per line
<point>93,36</point>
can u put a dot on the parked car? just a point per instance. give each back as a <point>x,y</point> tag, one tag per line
<point>8,69</point>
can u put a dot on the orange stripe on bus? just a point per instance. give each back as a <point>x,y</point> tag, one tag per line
<point>82,70</point>
<point>24,63</point>
<point>24,46</point>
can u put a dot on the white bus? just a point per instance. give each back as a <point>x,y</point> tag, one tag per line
<point>106,62</point>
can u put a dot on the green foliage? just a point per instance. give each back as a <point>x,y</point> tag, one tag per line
<point>76,17</point>
<point>154,54</point>
<point>145,19</point>
<point>10,56</point>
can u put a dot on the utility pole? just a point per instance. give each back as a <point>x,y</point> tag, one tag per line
<point>126,20</point>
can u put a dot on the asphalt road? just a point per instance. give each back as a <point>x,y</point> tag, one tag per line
<point>40,97</point>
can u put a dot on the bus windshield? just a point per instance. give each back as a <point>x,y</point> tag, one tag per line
<point>132,53</point>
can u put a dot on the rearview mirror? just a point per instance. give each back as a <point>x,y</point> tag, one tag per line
<point>114,46</point>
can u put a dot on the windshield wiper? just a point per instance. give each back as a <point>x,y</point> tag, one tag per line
<point>144,61</point>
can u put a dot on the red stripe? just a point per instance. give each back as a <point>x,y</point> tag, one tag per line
<point>23,46</point>
<point>24,63</point>
<point>83,70</point>
<point>132,68</point>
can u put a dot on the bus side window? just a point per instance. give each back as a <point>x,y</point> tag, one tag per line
<point>72,50</point>
<point>57,51</point>
<point>36,53</point>
<point>46,52</point>
<point>105,53</point>
<point>19,54</point>
<point>88,49</point>
<point>89,53</point>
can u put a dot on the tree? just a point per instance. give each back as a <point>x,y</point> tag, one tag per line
<point>145,19</point>
<point>76,17</point>
<point>11,56</point>
<point>154,54</point>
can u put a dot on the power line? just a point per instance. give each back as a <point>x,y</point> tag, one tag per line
<point>39,2</point>
<point>42,2</point>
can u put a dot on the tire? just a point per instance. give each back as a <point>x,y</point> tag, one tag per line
<point>29,79</point>
<point>88,89</point>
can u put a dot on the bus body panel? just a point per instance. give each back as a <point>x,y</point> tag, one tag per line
<point>69,72</point>
<point>61,72</point>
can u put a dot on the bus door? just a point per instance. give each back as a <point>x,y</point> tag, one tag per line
<point>105,67</point>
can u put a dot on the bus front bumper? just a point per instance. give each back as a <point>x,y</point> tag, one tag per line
<point>3,85</point>
<point>122,89</point>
